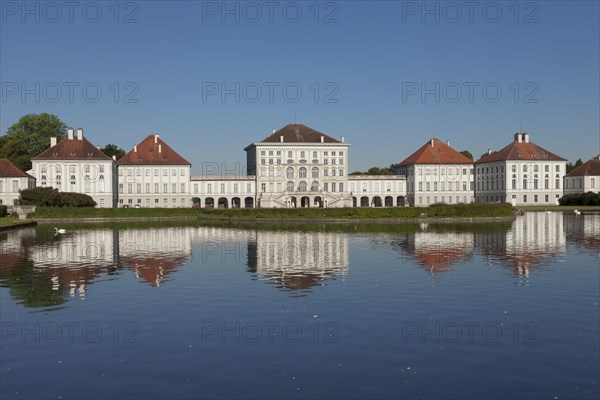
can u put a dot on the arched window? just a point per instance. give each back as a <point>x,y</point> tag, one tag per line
<point>290,173</point>
<point>315,172</point>
<point>315,186</point>
<point>302,172</point>
<point>290,186</point>
<point>302,186</point>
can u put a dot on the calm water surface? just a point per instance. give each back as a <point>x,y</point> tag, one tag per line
<point>474,311</point>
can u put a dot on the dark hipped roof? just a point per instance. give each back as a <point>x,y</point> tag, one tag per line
<point>588,168</point>
<point>149,153</point>
<point>72,149</point>
<point>296,133</point>
<point>439,153</point>
<point>10,170</point>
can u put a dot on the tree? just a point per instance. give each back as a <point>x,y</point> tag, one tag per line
<point>391,170</point>
<point>485,154</point>
<point>29,137</point>
<point>467,154</point>
<point>113,150</point>
<point>571,167</point>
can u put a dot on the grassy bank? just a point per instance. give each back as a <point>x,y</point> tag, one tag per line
<point>437,211</point>
<point>10,222</point>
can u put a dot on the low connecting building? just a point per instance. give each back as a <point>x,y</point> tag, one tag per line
<point>12,180</point>
<point>224,191</point>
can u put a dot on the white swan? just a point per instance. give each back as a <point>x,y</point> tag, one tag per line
<point>57,231</point>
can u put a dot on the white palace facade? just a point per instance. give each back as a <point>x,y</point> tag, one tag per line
<point>297,166</point>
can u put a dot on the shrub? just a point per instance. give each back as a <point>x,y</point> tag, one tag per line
<point>50,197</point>
<point>580,199</point>
<point>3,210</point>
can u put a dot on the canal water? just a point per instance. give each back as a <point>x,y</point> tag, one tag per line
<point>494,310</point>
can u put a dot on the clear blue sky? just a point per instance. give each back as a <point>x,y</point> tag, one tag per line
<point>374,58</point>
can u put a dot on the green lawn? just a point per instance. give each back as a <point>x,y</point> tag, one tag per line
<point>437,211</point>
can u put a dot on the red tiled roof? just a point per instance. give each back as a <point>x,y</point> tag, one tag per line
<point>10,170</point>
<point>439,153</point>
<point>588,168</point>
<point>295,133</point>
<point>149,153</point>
<point>72,149</point>
<point>521,151</point>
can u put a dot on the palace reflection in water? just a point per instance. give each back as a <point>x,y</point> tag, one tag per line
<point>42,269</point>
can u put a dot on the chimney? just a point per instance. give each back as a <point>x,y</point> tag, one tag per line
<point>342,139</point>
<point>489,151</point>
<point>274,130</point>
<point>160,148</point>
<point>79,134</point>
<point>322,139</point>
<point>526,137</point>
<point>135,149</point>
<point>52,141</point>
<point>431,142</point>
<point>156,138</point>
<point>280,138</point>
<point>448,143</point>
<point>114,158</point>
<point>518,138</point>
<point>70,133</point>
<point>597,157</point>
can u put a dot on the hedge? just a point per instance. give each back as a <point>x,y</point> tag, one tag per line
<point>50,197</point>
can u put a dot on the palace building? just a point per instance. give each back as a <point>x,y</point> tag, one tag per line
<point>298,166</point>
<point>521,173</point>
<point>585,178</point>
<point>436,173</point>
<point>152,174</point>
<point>76,165</point>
